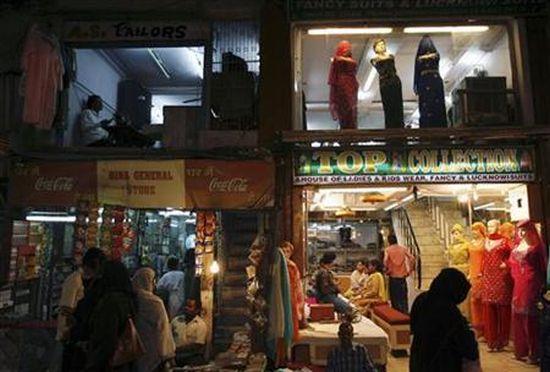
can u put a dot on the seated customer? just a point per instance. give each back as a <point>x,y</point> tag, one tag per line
<point>375,287</point>
<point>349,356</point>
<point>92,126</point>
<point>189,332</point>
<point>326,289</point>
<point>357,279</point>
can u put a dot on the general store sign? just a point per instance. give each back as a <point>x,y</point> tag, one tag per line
<point>353,9</point>
<point>439,165</point>
<point>135,31</point>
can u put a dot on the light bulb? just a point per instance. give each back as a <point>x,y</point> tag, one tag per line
<point>214,267</point>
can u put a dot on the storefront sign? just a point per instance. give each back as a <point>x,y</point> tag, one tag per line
<point>216,184</point>
<point>441,165</point>
<point>141,184</point>
<point>135,31</point>
<point>53,184</point>
<point>300,10</point>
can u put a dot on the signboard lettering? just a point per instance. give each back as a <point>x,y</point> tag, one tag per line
<point>331,9</point>
<point>442,165</point>
<point>135,31</point>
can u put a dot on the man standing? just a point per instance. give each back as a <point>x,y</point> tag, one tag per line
<point>189,331</point>
<point>399,264</point>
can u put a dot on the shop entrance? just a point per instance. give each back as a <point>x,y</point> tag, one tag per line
<point>355,222</point>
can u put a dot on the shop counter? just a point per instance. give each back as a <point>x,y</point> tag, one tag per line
<point>316,342</point>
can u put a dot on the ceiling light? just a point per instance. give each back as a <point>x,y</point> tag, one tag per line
<point>463,198</point>
<point>43,218</point>
<point>384,190</point>
<point>484,206</point>
<point>391,206</point>
<point>350,31</point>
<point>444,29</point>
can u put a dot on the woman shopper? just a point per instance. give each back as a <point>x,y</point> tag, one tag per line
<point>442,338</point>
<point>152,324</point>
<point>110,319</point>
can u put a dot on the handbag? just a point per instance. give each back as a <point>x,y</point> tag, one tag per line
<point>129,346</point>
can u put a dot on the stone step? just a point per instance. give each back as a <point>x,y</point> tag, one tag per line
<point>225,333</point>
<point>230,310</point>
<point>238,320</point>
<point>236,264</point>
<point>234,279</point>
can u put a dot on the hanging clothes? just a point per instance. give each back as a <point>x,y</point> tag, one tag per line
<point>42,78</point>
<point>280,329</point>
<point>428,85</point>
<point>343,87</point>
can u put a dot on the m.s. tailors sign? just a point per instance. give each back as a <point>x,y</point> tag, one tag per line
<point>415,165</point>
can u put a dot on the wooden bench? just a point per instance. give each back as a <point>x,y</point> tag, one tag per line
<point>395,324</point>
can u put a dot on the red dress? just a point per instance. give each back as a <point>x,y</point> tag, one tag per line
<point>528,270</point>
<point>343,88</point>
<point>496,282</point>
<point>296,296</point>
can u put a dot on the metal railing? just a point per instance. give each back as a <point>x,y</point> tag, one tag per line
<point>405,234</point>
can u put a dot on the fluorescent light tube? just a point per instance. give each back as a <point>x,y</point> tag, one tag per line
<point>444,29</point>
<point>42,218</point>
<point>350,31</point>
<point>159,63</point>
<point>484,206</point>
<point>391,206</point>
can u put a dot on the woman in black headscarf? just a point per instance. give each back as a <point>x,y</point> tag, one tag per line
<point>109,318</point>
<point>442,338</point>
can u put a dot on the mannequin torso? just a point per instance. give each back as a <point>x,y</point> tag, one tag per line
<point>496,281</point>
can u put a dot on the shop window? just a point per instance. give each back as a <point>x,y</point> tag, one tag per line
<point>418,77</point>
<point>136,87</point>
<point>236,67</point>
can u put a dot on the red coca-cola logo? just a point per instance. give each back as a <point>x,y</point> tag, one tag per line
<point>235,184</point>
<point>57,184</point>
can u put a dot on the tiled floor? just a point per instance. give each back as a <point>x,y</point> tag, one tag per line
<point>490,362</point>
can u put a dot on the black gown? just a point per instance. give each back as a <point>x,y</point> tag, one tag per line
<point>390,90</point>
<point>431,95</point>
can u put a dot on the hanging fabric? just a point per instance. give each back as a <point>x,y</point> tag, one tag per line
<point>42,67</point>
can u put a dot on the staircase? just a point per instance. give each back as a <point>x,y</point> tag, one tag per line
<point>432,220</point>
<point>240,229</point>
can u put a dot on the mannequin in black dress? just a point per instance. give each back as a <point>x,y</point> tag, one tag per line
<point>390,85</point>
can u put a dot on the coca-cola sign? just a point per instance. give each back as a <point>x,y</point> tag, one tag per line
<point>235,184</point>
<point>54,184</point>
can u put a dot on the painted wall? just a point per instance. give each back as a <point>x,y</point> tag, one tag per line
<point>94,74</point>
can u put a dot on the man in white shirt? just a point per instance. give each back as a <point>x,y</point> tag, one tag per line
<point>190,332</point>
<point>91,124</point>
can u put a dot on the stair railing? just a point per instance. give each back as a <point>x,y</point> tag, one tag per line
<point>441,222</point>
<point>405,234</point>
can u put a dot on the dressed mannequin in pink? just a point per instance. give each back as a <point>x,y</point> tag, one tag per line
<point>528,268</point>
<point>496,284</point>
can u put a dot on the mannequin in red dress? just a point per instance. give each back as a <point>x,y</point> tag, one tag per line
<point>343,87</point>
<point>496,287</point>
<point>528,269</point>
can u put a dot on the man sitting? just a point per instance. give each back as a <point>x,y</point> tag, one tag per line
<point>358,279</point>
<point>189,332</point>
<point>349,356</point>
<point>92,127</point>
<point>326,289</point>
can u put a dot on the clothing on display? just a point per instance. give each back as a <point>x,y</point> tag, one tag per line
<point>428,85</point>
<point>343,87</point>
<point>390,85</point>
<point>297,297</point>
<point>496,288</point>
<point>477,250</point>
<point>42,67</point>
<point>528,269</point>
<point>458,254</point>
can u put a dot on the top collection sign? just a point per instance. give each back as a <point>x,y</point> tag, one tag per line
<point>302,10</point>
<point>135,31</point>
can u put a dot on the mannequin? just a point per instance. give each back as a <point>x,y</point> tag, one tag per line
<point>528,269</point>
<point>496,289</point>
<point>343,87</point>
<point>477,248</point>
<point>508,230</point>
<point>390,85</point>
<point>458,253</point>
<point>428,85</point>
